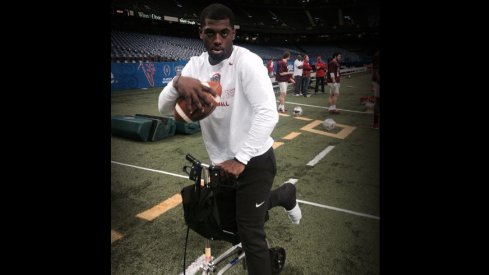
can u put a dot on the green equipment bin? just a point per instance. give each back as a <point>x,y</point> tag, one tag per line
<point>163,127</point>
<point>186,128</point>
<point>137,128</point>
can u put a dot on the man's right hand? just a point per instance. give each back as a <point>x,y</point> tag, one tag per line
<point>193,91</point>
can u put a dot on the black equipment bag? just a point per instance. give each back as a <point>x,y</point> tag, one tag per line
<point>201,213</point>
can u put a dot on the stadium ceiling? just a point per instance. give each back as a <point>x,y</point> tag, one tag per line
<point>270,17</point>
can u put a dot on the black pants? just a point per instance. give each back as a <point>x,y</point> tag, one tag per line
<point>317,84</point>
<point>298,88</point>
<point>252,194</point>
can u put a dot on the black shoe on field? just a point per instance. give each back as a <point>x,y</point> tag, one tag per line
<point>277,256</point>
<point>288,192</point>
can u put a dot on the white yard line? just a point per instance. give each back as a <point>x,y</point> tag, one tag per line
<point>148,169</point>
<point>293,181</point>
<point>339,209</point>
<point>319,156</point>
<point>326,107</point>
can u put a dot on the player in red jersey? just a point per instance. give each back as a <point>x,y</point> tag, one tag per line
<point>333,79</point>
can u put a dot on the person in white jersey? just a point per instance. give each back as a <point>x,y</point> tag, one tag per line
<point>237,135</point>
<point>298,89</point>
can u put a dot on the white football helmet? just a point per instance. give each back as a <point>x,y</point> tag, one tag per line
<point>329,124</point>
<point>297,111</point>
<point>369,105</point>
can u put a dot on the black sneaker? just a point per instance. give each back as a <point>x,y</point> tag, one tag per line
<point>287,193</point>
<point>289,202</point>
<point>277,256</point>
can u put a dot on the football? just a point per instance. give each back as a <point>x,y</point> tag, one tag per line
<point>181,111</point>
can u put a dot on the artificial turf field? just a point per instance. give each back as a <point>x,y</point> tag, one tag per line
<point>338,195</point>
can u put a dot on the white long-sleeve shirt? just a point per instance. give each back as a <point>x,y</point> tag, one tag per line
<point>243,122</point>
<point>297,71</point>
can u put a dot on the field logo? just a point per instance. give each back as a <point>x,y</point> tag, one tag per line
<point>149,71</point>
<point>166,70</point>
<point>178,69</point>
<point>112,78</point>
